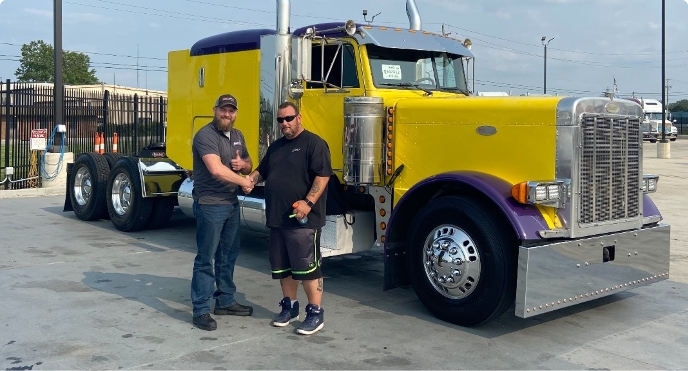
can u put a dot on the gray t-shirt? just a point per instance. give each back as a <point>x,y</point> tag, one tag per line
<point>209,140</point>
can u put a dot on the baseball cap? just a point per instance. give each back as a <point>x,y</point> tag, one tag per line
<point>225,100</point>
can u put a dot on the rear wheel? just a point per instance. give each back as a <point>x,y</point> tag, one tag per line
<point>87,186</point>
<point>112,157</point>
<point>462,260</point>
<point>128,209</point>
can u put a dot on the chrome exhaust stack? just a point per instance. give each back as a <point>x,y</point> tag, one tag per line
<point>413,15</point>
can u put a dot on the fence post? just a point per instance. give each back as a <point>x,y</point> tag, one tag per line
<point>136,124</point>
<point>7,130</point>
<point>106,98</point>
<point>161,119</point>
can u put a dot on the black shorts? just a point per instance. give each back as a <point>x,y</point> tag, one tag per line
<point>296,253</point>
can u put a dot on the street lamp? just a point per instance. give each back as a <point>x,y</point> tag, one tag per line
<point>545,45</point>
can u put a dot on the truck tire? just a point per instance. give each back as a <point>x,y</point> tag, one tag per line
<point>462,260</point>
<point>87,186</point>
<point>163,206</point>
<point>112,157</point>
<point>129,210</point>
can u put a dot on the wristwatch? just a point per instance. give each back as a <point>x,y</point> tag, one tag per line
<point>308,202</point>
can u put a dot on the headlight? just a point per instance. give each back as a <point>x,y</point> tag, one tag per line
<point>548,193</point>
<point>649,183</point>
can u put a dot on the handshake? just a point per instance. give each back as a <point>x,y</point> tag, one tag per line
<point>248,188</point>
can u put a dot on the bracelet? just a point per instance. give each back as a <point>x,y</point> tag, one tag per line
<point>308,202</point>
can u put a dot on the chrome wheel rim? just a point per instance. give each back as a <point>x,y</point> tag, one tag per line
<point>121,194</point>
<point>451,261</point>
<point>82,186</point>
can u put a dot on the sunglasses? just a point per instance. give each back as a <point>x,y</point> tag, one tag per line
<point>286,118</point>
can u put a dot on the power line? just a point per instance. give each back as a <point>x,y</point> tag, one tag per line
<point>178,15</point>
<point>97,53</point>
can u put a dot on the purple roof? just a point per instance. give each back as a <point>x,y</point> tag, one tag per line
<point>234,41</point>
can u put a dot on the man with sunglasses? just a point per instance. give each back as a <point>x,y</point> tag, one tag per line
<point>296,169</point>
<point>219,156</point>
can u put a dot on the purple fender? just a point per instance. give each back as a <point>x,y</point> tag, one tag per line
<point>649,207</point>
<point>525,220</point>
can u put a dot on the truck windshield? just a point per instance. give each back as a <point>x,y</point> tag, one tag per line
<point>653,115</point>
<point>420,69</point>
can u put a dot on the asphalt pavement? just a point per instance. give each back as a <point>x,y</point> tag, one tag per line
<point>82,295</point>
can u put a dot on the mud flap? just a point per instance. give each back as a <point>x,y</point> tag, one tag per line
<point>396,273</point>
<point>68,201</point>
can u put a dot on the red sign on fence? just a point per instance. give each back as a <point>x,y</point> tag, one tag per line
<point>39,138</point>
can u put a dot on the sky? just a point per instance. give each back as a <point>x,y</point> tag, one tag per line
<point>594,42</point>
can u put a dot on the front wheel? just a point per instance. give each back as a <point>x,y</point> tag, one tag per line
<point>129,210</point>
<point>462,260</point>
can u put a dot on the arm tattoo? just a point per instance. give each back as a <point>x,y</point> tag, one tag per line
<point>320,284</point>
<point>314,190</point>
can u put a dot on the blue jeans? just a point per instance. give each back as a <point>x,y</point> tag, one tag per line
<point>218,237</point>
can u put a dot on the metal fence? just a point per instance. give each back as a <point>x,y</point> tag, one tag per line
<point>681,124</point>
<point>138,120</point>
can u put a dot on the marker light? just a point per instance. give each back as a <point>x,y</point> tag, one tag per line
<point>649,183</point>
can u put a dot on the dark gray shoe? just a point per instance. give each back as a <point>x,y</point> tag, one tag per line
<point>235,309</point>
<point>314,322</point>
<point>288,314</point>
<point>205,322</point>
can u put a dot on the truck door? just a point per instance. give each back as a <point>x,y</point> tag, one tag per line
<point>335,75</point>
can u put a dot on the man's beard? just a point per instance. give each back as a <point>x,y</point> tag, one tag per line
<point>223,125</point>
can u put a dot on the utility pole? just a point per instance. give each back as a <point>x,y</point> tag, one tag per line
<point>667,92</point>
<point>663,146</point>
<point>545,74</point>
<point>58,85</point>
<point>137,65</point>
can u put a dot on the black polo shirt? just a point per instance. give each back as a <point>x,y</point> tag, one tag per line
<point>209,140</point>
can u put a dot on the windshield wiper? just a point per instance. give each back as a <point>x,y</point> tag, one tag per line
<point>457,89</point>
<point>408,85</point>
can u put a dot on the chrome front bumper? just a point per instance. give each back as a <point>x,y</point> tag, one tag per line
<point>566,273</point>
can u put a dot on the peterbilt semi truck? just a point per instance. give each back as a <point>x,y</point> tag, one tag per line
<point>652,124</point>
<point>479,203</point>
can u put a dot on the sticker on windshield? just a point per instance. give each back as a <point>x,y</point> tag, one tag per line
<point>391,72</point>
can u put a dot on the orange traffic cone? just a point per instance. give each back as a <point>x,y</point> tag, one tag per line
<point>96,142</point>
<point>114,142</point>
<point>102,143</point>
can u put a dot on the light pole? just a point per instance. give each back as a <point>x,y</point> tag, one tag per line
<point>545,76</point>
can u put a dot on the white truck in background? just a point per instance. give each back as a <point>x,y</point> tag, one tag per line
<point>652,124</point>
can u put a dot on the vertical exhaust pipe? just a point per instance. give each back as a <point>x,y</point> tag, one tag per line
<point>283,10</point>
<point>282,61</point>
<point>413,15</point>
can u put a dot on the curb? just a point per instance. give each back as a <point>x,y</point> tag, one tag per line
<point>32,192</point>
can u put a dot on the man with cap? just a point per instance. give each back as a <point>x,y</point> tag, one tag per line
<point>219,157</point>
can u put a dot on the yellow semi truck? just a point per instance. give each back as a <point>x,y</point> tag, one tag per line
<point>480,203</point>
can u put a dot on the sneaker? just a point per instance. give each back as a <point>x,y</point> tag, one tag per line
<point>205,322</point>
<point>314,321</point>
<point>288,314</point>
<point>235,309</point>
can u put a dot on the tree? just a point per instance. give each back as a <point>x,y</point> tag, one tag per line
<point>37,65</point>
<point>680,106</point>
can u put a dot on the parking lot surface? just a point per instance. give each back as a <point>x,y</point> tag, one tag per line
<point>82,295</point>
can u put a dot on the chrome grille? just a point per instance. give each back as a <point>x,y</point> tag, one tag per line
<point>609,169</point>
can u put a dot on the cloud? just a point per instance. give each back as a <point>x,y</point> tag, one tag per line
<point>39,12</point>
<point>85,18</point>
